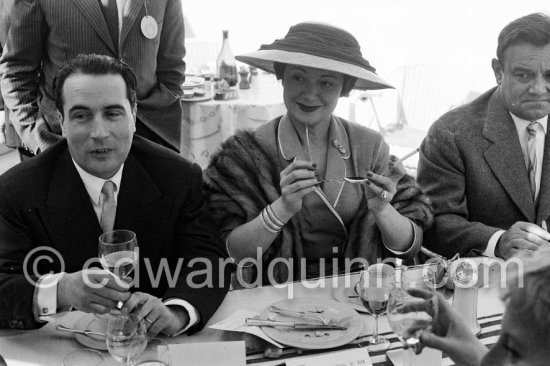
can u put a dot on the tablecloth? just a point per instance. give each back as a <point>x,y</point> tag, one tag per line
<point>208,123</point>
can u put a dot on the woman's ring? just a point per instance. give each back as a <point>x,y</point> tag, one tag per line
<point>384,195</point>
<point>148,320</point>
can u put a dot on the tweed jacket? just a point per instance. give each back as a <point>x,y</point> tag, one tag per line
<point>244,176</point>
<point>44,203</point>
<point>45,34</point>
<point>472,167</point>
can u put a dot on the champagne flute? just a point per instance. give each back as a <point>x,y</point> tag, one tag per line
<point>408,315</point>
<point>126,338</point>
<point>373,288</point>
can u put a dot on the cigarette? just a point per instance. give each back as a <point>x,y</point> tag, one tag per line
<point>408,155</point>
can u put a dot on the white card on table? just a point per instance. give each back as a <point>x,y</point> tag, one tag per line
<point>211,353</point>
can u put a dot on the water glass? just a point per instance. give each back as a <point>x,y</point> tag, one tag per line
<point>126,338</point>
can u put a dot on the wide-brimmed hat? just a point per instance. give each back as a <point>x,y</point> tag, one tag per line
<point>321,46</point>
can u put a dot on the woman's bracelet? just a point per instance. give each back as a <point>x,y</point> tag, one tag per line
<point>274,217</point>
<point>267,224</point>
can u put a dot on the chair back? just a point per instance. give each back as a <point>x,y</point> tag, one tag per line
<point>427,91</point>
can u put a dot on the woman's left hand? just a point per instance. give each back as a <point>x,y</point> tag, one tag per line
<point>384,188</point>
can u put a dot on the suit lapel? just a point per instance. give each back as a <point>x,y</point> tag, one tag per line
<point>128,20</point>
<point>544,202</point>
<point>142,208</point>
<point>90,10</point>
<point>505,157</point>
<point>69,217</point>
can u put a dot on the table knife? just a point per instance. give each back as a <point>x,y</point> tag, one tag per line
<point>290,324</point>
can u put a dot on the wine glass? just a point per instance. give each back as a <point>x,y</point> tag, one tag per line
<point>408,315</point>
<point>117,252</point>
<point>157,353</point>
<point>126,338</point>
<point>373,289</point>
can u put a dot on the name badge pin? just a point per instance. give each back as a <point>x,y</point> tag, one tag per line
<point>149,27</point>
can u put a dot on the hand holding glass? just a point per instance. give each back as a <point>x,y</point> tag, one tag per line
<point>117,253</point>
<point>408,315</point>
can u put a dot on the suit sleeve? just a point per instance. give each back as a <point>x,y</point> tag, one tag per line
<point>19,70</point>
<point>441,172</point>
<point>203,282</point>
<point>16,290</point>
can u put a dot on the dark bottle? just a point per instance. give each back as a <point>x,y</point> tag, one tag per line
<point>226,64</point>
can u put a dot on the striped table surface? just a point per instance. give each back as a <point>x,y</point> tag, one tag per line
<point>490,330</point>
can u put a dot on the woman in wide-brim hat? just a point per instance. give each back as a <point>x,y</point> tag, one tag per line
<point>279,192</point>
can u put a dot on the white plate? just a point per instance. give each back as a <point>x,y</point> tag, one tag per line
<point>95,324</point>
<point>197,99</point>
<point>314,339</point>
<point>192,82</point>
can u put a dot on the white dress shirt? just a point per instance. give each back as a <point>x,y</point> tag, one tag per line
<point>521,126</point>
<point>46,295</point>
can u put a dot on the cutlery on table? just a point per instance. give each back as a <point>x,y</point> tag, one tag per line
<point>311,314</point>
<point>85,332</point>
<point>294,325</point>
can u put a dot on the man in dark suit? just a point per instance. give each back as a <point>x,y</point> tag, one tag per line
<point>53,210</point>
<point>45,34</point>
<point>486,164</point>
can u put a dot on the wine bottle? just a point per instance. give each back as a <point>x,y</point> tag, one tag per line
<point>225,63</point>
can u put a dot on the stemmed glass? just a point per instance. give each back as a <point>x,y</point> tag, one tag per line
<point>373,289</point>
<point>126,338</point>
<point>408,315</point>
<point>117,252</point>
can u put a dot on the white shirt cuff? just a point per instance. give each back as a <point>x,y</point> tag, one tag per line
<point>46,297</point>
<point>492,244</point>
<point>191,310</point>
<point>398,252</point>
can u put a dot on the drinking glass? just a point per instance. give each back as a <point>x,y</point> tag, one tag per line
<point>157,353</point>
<point>126,338</point>
<point>373,289</point>
<point>408,315</point>
<point>117,252</point>
<point>83,357</point>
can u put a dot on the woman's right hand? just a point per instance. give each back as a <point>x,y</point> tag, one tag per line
<point>297,180</point>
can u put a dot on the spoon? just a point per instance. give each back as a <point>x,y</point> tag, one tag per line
<point>85,332</point>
